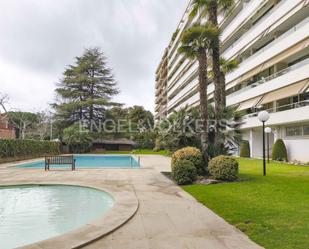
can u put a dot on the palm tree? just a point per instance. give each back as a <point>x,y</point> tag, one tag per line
<point>210,8</point>
<point>195,43</point>
<point>230,135</point>
<point>177,130</point>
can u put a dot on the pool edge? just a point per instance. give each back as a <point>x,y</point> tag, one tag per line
<point>125,207</point>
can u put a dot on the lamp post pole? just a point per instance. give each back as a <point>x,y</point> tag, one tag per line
<point>267,147</point>
<point>268,132</point>
<point>264,159</point>
<point>263,117</point>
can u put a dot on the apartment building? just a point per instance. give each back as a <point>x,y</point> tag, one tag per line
<point>161,88</point>
<point>270,39</point>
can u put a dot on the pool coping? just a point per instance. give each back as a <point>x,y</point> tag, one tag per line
<point>16,164</point>
<point>125,206</point>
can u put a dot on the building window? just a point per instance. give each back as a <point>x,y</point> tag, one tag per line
<point>294,131</point>
<point>306,130</point>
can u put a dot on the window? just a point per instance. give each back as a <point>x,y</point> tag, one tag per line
<point>306,130</point>
<point>294,131</point>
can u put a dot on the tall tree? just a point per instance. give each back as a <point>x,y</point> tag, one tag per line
<point>195,43</point>
<point>23,122</point>
<point>210,9</point>
<point>86,89</point>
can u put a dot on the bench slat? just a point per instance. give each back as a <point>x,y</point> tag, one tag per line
<point>59,160</point>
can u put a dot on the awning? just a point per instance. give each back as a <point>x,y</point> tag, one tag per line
<point>276,59</point>
<point>249,103</point>
<point>285,92</point>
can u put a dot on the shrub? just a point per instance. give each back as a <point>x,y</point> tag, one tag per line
<point>245,149</point>
<point>27,148</point>
<point>191,154</point>
<point>279,152</point>
<point>77,140</point>
<point>223,168</point>
<point>184,172</point>
<point>144,140</point>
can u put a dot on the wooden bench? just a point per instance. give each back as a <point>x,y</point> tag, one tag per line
<point>59,160</point>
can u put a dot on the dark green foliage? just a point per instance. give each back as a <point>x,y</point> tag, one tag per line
<point>175,35</point>
<point>279,152</point>
<point>223,168</point>
<point>134,123</point>
<point>144,140</point>
<point>86,89</point>
<point>78,140</point>
<point>191,154</point>
<point>245,149</point>
<point>229,136</point>
<point>27,148</point>
<point>178,130</point>
<point>184,172</point>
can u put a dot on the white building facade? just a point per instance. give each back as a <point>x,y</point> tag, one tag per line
<point>270,39</point>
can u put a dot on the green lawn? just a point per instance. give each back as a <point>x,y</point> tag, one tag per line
<point>271,210</point>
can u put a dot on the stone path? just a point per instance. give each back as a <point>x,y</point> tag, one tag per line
<point>167,216</point>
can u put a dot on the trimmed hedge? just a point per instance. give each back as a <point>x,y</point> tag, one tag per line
<point>27,148</point>
<point>245,149</point>
<point>191,154</point>
<point>279,152</point>
<point>223,168</point>
<point>184,172</point>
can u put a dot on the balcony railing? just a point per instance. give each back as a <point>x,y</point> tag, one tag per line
<point>282,108</point>
<point>271,77</point>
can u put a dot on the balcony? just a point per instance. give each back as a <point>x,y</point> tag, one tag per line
<point>278,46</point>
<point>287,114</point>
<point>268,23</point>
<point>282,78</point>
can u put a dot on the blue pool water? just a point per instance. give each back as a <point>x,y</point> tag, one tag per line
<point>92,161</point>
<point>33,213</point>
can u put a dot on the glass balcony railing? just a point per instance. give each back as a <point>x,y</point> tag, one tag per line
<point>270,77</point>
<point>282,108</point>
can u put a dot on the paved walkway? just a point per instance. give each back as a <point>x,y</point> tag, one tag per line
<point>167,216</point>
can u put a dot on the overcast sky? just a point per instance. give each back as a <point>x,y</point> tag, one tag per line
<point>40,37</point>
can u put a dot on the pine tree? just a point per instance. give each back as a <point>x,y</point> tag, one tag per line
<point>86,89</point>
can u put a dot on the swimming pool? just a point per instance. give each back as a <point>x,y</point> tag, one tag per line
<point>31,213</point>
<point>93,161</point>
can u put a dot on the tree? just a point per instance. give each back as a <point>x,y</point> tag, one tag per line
<point>78,140</point>
<point>23,122</point>
<point>143,118</point>
<point>86,90</point>
<point>230,136</point>
<point>210,8</point>
<point>4,99</point>
<point>178,130</point>
<point>195,43</point>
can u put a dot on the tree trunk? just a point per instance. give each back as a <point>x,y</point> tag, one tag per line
<point>203,83</point>
<point>219,94</point>
<point>222,91</point>
<point>213,19</point>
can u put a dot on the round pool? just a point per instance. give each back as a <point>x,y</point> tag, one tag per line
<point>30,213</point>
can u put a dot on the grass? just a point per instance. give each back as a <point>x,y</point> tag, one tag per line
<point>141,152</point>
<point>273,210</point>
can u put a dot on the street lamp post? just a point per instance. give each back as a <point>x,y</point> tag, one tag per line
<point>268,132</point>
<point>263,117</point>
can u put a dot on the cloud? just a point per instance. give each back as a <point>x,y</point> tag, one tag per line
<point>39,38</point>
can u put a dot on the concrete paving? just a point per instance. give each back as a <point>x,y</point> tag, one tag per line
<point>167,217</point>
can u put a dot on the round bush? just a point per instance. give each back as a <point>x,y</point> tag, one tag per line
<point>245,149</point>
<point>223,168</point>
<point>279,152</point>
<point>191,154</point>
<point>184,172</point>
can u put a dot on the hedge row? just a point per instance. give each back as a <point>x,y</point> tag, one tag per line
<point>27,148</point>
